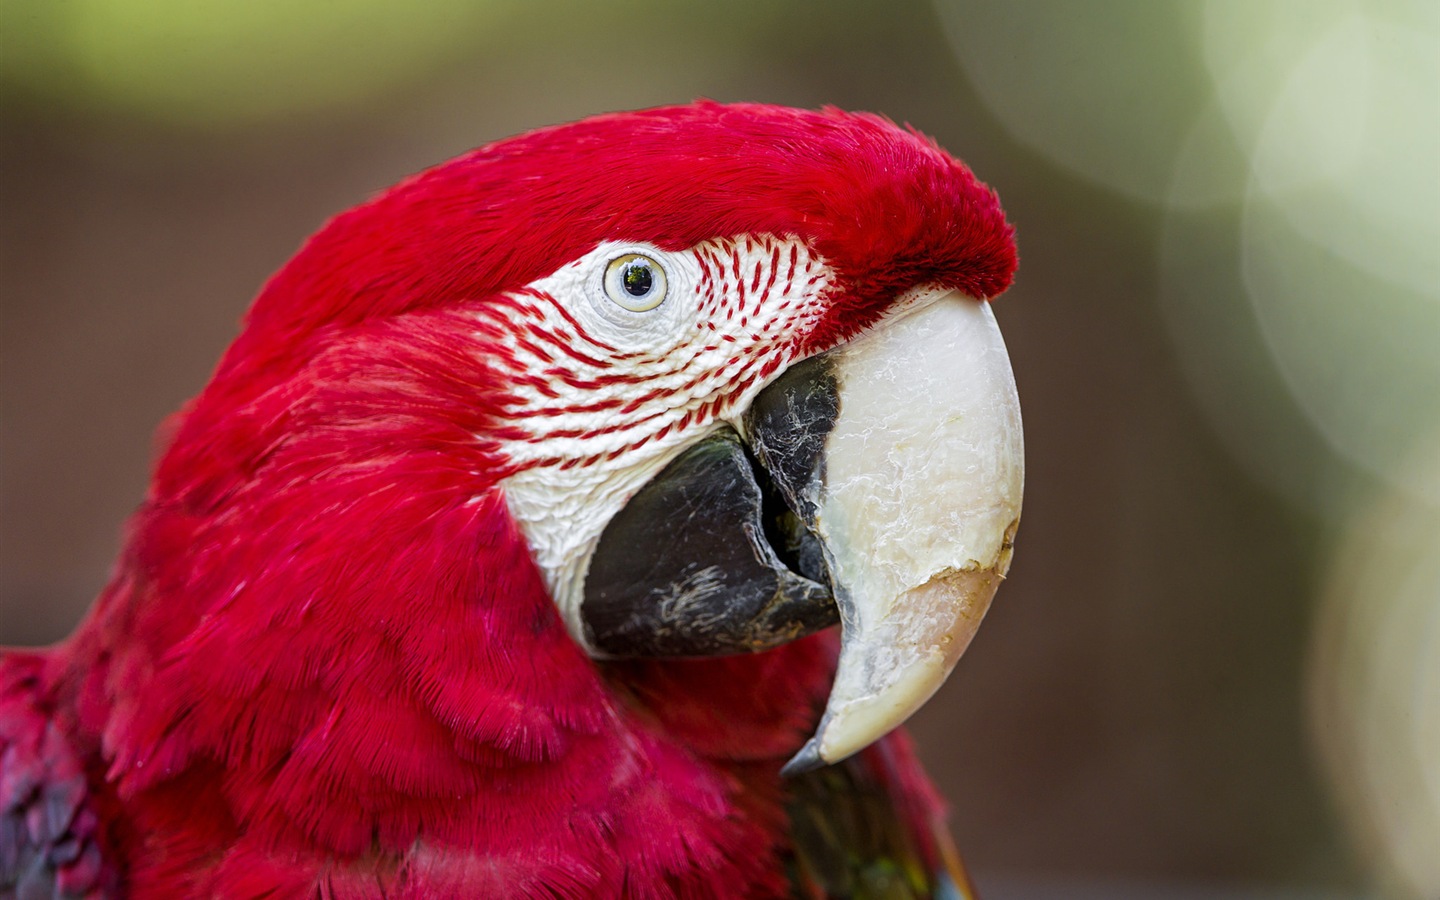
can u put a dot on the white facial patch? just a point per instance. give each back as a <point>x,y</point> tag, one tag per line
<point>606,396</point>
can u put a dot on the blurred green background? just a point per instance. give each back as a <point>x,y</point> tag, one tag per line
<point>1215,670</point>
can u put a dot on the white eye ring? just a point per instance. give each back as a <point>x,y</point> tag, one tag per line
<point>635,282</point>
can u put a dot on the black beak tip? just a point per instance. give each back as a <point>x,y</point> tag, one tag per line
<point>807,760</point>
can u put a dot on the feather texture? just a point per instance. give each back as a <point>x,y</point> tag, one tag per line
<point>327,663</point>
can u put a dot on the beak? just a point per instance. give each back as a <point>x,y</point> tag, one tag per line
<point>878,485</point>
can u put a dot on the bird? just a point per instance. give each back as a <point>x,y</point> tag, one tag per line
<point>503,553</point>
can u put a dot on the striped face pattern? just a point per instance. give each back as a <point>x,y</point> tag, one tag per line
<point>602,396</point>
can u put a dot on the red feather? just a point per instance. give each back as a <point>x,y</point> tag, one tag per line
<point>327,664</point>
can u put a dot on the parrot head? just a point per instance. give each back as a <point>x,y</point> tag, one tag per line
<point>688,382</point>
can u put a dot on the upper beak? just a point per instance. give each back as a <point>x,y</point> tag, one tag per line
<point>883,485</point>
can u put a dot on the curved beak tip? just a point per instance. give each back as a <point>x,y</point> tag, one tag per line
<point>888,672</point>
<point>807,760</point>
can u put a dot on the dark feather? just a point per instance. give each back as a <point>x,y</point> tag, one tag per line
<point>49,832</point>
<point>859,833</point>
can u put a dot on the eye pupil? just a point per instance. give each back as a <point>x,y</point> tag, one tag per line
<point>638,279</point>
<point>635,282</point>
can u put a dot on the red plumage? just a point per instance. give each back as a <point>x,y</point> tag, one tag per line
<point>326,662</point>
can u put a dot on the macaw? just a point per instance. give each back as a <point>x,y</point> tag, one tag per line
<point>500,555</point>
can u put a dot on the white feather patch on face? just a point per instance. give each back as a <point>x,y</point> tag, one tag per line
<point>605,396</point>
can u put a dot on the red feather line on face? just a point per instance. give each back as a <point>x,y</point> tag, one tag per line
<point>327,651</point>
<point>729,341</point>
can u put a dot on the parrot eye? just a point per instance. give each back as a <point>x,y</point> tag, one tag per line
<point>635,282</point>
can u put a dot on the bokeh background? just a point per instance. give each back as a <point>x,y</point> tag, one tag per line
<point>1215,669</point>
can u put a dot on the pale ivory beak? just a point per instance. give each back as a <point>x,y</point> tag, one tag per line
<point>924,471</point>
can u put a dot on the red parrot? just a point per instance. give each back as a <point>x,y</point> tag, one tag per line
<point>499,556</point>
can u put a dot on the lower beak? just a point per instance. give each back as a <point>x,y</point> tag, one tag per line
<point>888,471</point>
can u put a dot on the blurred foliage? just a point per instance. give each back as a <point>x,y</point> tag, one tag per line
<point>227,61</point>
<point>239,63</point>
<point>1375,683</point>
<point>1317,124</point>
<point>1293,150</point>
<point>1106,90</point>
